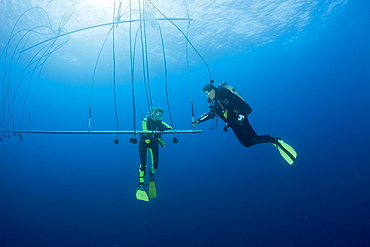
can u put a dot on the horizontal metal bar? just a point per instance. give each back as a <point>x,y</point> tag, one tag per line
<point>101,132</point>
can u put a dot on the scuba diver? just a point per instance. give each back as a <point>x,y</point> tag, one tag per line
<point>226,103</point>
<point>150,143</point>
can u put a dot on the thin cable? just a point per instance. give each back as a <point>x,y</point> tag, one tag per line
<point>166,77</point>
<point>96,26</point>
<point>147,57</point>
<point>36,62</point>
<point>188,69</point>
<point>144,55</point>
<point>132,63</point>
<point>67,15</point>
<point>114,68</point>
<point>209,71</point>
<point>93,78</point>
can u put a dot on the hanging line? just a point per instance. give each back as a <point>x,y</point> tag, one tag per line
<point>188,69</point>
<point>6,97</point>
<point>166,77</point>
<point>114,73</point>
<point>40,64</point>
<point>132,67</point>
<point>132,64</point>
<point>37,61</point>
<point>147,56</point>
<point>115,22</point>
<point>204,61</point>
<point>144,55</point>
<point>93,79</point>
<point>96,26</point>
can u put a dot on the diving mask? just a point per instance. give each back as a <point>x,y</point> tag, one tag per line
<point>157,116</point>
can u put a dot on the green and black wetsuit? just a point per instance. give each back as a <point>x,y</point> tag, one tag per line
<point>150,142</point>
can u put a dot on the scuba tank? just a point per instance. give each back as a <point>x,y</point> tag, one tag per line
<point>231,88</point>
<point>235,92</point>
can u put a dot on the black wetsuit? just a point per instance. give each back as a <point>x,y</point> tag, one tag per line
<point>234,112</point>
<point>151,141</point>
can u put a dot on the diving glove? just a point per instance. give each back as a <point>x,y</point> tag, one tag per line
<point>194,123</point>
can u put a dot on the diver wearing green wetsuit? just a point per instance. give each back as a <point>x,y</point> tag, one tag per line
<point>150,143</point>
<point>233,110</point>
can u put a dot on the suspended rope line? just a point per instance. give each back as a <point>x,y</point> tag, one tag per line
<point>39,61</point>
<point>93,78</point>
<point>114,67</point>
<point>67,15</point>
<point>144,55</point>
<point>132,67</point>
<point>41,64</point>
<point>7,99</point>
<point>132,73</point>
<point>175,140</point>
<point>11,36</point>
<point>4,53</point>
<point>36,62</point>
<point>170,20</point>
<point>147,57</point>
<point>16,81</point>
<point>188,69</point>
<point>97,26</point>
<point>166,76</point>
<point>114,72</point>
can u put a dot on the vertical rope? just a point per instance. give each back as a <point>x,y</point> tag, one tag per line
<point>144,53</point>
<point>93,79</point>
<point>166,77</point>
<point>188,69</point>
<point>132,60</point>
<point>187,39</point>
<point>114,68</point>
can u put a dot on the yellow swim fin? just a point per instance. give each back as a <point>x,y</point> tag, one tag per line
<point>141,194</point>
<point>152,188</point>
<point>286,151</point>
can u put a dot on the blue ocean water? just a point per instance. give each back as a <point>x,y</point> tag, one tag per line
<point>304,68</point>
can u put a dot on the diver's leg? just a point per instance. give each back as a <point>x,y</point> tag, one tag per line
<point>142,152</point>
<point>154,152</point>
<point>245,133</point>
<point>155,157</point>
<point>248,137</point>
<point>265,139</point>
<point>141,194</point>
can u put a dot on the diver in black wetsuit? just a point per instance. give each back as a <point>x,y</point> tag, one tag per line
<point>233,110</point>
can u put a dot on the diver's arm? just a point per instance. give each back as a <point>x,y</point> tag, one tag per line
<point>203,118</point>
<point>165,126</point>
<point>162,127</point>
<point>144,124</point>
<point>144,127</point>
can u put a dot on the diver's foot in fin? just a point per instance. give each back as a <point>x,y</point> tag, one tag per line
<point>141,193</point>
<point>152,187</point>
<point>286,151</point>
